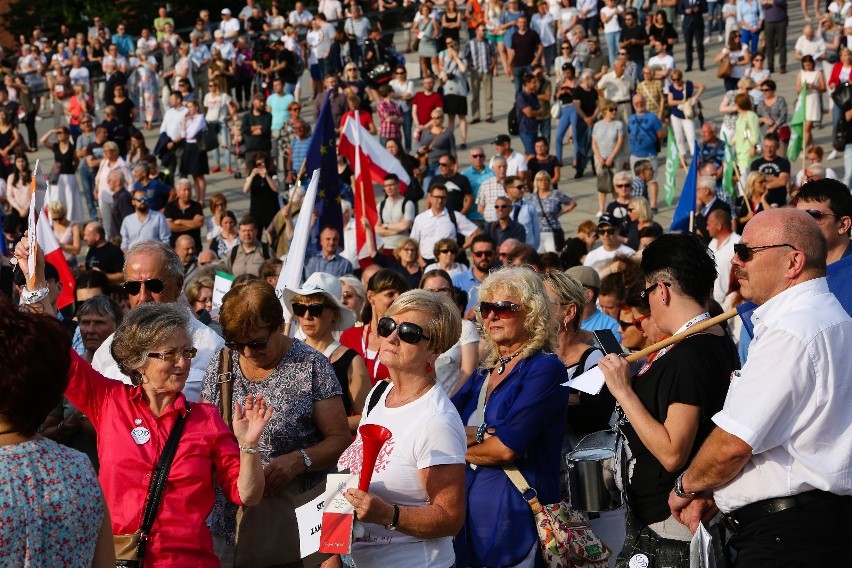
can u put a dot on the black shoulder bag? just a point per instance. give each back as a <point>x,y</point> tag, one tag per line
<point>130,548</point>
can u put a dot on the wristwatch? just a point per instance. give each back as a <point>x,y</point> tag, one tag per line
<point>395,521</point>
<point>307,458</point>
<point>678,489</point>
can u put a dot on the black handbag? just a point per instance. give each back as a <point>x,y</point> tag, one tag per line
<point>838,138</point>
<point>130,548</point>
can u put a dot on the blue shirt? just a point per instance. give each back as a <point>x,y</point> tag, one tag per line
<point>528,411</point>
<point>642,131</point>
<point>124,43</point>
<point>749,12</point>
<point>337,266</point>
<point>522,101</point>
<point>278,105</point>
<point>300,152</point>
<point>467,281</point>
<point>526,213</point>
<point>476,178</point>
<point>600,320</point>
<point>157,192</point>
<point>154,228</point>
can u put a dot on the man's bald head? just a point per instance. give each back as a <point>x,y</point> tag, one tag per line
<point>796,227</point>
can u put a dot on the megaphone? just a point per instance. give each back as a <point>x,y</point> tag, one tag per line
<point>373,437</point>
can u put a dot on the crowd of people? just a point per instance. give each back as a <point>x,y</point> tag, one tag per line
<point>458,322</point>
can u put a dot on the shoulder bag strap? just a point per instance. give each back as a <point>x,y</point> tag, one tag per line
<point>225,382</point>
<point>332,347</point>
<point>546,216</point>
<point>581,364</point>
<point>377,394</point>
<point>480,405</point>
<point>158,482</point>
<point>520,482</point>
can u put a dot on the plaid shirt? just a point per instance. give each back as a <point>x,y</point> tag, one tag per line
<point>388,130</point>
<point>639,188</point>
<point>479,55</point>
<point>489,191</point>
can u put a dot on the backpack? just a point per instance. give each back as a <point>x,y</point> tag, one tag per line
<point>514,125</point>
<point>405,201</point>
<point>264,252</point>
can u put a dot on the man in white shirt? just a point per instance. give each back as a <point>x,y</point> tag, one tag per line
<point>810,44</point>
<point>229,26</point>
<point>516,164</point>
<point>662,61</point>
<point>154,273</point>
<point>610,244</point>
<point>722,247</point>
<point>78,74</point>
<point>225,48</point>
<point>435,224</point>
<point>616,86</point>
<point>779,462</point>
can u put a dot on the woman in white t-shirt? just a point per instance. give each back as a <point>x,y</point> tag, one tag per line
<point>612,28</point>
<point>457,363</point>
<point>415,505</point>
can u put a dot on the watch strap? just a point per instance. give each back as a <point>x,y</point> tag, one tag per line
<point>395,521</point>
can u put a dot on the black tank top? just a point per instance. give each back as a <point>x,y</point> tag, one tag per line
<point>341,369</point>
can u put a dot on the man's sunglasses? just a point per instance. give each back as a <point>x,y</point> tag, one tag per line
<point>819,215</point>
<point>609,232</point>
<point>646,293</point>
<point>315,310</point>
<point>481,253</point>
<point>503,310</point>
<point>155,286</point>
<point>407,331</point>
<point>140,199</point>
<point>745,253</point>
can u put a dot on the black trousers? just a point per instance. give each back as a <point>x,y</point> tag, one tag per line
<point>693,31</point>
<point>815,535</point>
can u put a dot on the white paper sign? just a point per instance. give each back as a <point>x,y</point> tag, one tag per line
<point>221,284</point>
<point>591,382</point>
<point>701,553</point>
<point>309,515</point>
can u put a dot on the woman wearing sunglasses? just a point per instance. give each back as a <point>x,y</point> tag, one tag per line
<point>153,347</point>
<point>308,431</point>
<point>320,314</point>
<point>383,288</point>
<point>522,422</point>
<point>416,501</point>
<point>667,407</point>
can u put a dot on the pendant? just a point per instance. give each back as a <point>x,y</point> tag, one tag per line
<point>140,435</point>
<point>501,368</point>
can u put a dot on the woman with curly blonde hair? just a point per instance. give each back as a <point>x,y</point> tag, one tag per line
<point>514,411</point>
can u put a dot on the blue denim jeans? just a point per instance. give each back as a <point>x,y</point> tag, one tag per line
<point>406,129</point>
<point>847,164</point>
<point>87,178</point>
<point>713,18</point>
<point>750,39</point>
<point>612,39</point>
<point>568,118</point>
<point>528,139</point>
<point>518,74</point>
<point>223,138</point>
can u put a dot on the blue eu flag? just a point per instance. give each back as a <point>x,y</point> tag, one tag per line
<point>686,203</point>
<point>322,155</point>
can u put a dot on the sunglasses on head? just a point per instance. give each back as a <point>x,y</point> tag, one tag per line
<point>406,331</point>
<point>315,310</point>
<point>502,310</point>
<point>155,286</point>
<point>253,345</point>
<point>745,253</point>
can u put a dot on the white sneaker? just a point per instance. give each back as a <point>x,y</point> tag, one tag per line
<point>721,39</point>
<point>706,40</point>
<point>832,155</point>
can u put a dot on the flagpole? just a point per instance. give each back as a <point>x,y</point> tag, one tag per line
<point>692,221</point>
<point>746,198</point>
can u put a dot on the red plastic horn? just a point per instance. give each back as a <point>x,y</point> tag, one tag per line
<point>373,437</point>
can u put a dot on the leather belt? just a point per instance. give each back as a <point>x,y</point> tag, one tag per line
<point>735,521</point>
<point>622,102</point>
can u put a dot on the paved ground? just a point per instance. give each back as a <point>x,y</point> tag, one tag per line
<point>582,190</point>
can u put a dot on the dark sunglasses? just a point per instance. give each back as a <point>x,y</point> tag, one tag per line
<point>155,285</point>
<point>646,293</point>
<point>819,215</point>
<point>253,345</point>
<point>446,251</point>
<point>502,207</point>
<point>502,310</point>
<point>622,185</point>
<point>140,199</point>
<point>481,253</point>
<point>477,156</point>
<point>745,253</point>
<point>406,331</point>
<point>606,232</point>
<point>315,310</point>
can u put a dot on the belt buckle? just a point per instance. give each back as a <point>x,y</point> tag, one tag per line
<point>731,523</point>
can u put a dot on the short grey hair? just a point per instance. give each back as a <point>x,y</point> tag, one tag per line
<point>145,329</point>
<point>171,260</point>
<point>102,306</point>
<point>182,181</point>
<point>141,168</point>
<point>708,182</point>
<point>444,327</point>
<point>622,175</point>
<point>499,160</point>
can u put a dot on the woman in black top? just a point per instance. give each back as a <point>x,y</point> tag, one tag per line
<point>667,408</point>
<point>543,161</point>
<point>661,30</point>
<point>125,110</point>
<point>586,104</point>
<point>262,187</point>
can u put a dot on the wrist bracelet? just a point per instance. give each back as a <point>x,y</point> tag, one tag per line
<point>28,297</point>
<point>679,491</point>
<point>248,450</point>
<point>480,433</point>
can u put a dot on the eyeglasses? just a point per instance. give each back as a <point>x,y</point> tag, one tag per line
<point>502,207</point>
<point>637,322</point>
<point>819,215</point>
<point>481,253</point>
<point>521,186</point>
<point>434,116</point>
<point>501,310</point>
<point>253,345</point>
<point>446,251</point>
<point>439,196</point>
<point>315,310</point>
<point>745,253</point>
<point>140,199</point>
<point>646,293</point>
<point>622,185</point>
<point>155,286</point>
<point>444,164</point>
<point>477,156</point>
<point>611,110</point>
<point>406,331</point>
<point>622,53</point>
<point>608,232</point>
<point>173,356</point>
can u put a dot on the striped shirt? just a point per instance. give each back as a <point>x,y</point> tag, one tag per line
<point>479,55</point>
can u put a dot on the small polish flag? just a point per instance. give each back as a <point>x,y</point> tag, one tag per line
<point>53,254</point>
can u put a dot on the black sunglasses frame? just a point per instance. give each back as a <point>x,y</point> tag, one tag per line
<point>315,310</point>
<point>154,285</point>
<point>503,310</point>
<point>745,253</point>
<point>408,332</point>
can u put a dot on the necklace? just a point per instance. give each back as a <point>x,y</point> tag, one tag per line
<point>410,398</point>
<point>505,360</point>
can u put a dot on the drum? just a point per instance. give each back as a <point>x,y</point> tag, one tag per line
<point>591,473</point>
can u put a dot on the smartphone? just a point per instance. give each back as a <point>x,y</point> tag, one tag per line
<point>608,342</point>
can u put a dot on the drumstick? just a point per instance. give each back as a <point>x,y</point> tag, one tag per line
<point>701,326</point>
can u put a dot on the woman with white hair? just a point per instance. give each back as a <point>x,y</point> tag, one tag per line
<point>622,184</point>
<point>639,216</point>
<point>514,410</point>
<point>353,296</point>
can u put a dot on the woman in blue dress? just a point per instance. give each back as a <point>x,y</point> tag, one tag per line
<point>514,411</point>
